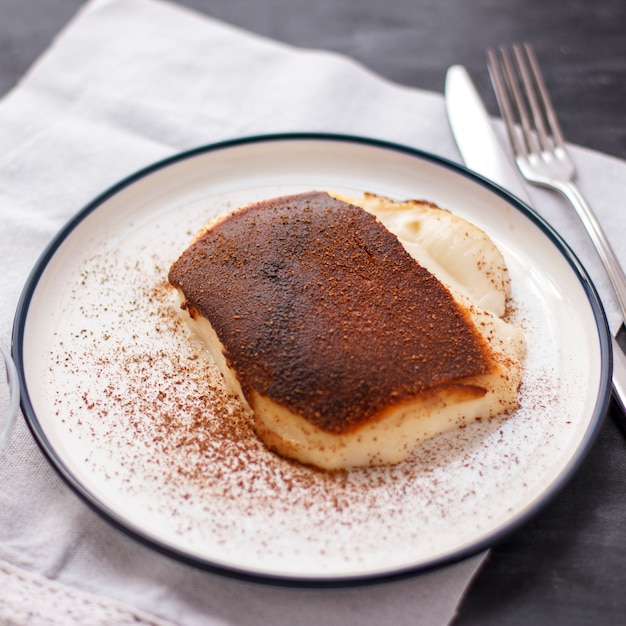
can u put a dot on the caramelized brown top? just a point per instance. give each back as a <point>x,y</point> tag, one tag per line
<point>320,308</point>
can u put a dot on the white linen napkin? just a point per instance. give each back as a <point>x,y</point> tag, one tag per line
<point>127,83</point>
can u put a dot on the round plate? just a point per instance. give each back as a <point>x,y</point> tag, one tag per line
<point>128,408</point>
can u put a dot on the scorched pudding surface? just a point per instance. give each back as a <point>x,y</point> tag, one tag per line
<point>319,307</point>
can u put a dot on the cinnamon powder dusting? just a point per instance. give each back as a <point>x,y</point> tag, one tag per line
<point>148,419</point>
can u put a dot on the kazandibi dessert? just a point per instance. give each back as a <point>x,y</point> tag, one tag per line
<point>353,329</point>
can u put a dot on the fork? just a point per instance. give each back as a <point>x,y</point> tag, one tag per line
<point>539,147</point>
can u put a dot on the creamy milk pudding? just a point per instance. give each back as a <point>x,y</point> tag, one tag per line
<point>353,329</point>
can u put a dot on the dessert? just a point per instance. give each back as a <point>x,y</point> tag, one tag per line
<point>352,332</point>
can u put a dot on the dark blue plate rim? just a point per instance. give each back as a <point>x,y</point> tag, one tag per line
<point>480,545</point>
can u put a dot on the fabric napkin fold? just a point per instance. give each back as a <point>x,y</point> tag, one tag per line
<point>127,83</point>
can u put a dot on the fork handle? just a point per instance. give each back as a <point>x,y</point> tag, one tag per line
<point>603,247</point>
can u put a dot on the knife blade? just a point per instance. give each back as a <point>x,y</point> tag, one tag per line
<point>482,152</point>
<point>475,136</point>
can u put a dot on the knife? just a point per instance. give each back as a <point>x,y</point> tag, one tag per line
<point>483,153</point>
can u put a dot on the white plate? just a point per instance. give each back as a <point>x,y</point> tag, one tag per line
<point>127,408</point>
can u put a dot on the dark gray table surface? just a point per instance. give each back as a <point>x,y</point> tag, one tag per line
<point>567,566</point>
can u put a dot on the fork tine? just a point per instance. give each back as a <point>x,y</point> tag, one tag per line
<point>545,97</point>
<point>530,90</point>
<point>504,102</point>
<point>520,104</point>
